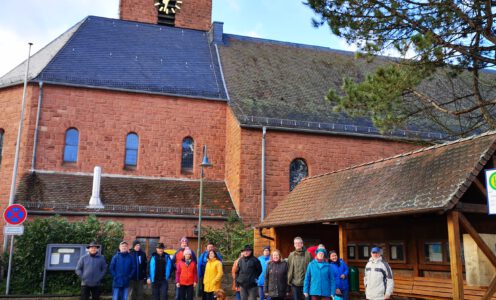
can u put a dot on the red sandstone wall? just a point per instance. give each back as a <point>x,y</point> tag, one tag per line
<point>323,153</point>
<point>233,157</point>
<point>169,231</point>
<point>195,14</point>
<point>10,112</point>
<point>104,118</point>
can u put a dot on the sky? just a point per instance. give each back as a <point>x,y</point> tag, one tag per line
<point>41,21</point>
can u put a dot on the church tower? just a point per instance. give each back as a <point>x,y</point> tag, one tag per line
<point>190,14</point>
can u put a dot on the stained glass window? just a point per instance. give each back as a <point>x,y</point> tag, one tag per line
<point>297,171</point>
<point>188,155</point>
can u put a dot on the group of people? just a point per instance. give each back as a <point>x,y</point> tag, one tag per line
<point>131,270</point>
<point>313,273</point>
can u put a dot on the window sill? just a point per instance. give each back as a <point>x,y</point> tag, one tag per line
<point>130,168</point>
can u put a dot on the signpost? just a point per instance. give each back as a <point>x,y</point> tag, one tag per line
<point>14,215</point>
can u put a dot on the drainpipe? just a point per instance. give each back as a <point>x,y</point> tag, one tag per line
<point>262,212</point>
<point>95,201</point>
<point>35,139</point>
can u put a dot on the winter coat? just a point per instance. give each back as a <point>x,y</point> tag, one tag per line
<point>186,273</point>
<point>276,279</point>
<point>297,264</point>
<point>340,268</point>
<point>122,269</point>
<point>213,275</point>
<point>378,279</point>
<point>263,262</point>
<point>153,266</point>
<point>91,269</point>
<point>139,259</point>
<point>202,262</point>
<point>249,268</point>
<point>319,279</point>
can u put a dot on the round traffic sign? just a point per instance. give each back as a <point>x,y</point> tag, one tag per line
<point>15,214</point>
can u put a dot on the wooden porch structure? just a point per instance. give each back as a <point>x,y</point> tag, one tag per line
<point>407,205</point>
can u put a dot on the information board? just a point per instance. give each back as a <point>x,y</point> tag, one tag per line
<point>64,257</point>
<point>491,191</point>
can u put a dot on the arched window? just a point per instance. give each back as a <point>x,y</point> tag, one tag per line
<point>132,142</point>
<point>297,171</point>
<point>71,145</point>
<point>2,133</point>
<point>188,155</point>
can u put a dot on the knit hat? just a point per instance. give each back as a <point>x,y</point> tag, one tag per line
<point>321,250</point>
<point>184,239</point>
<point>136,242</point>
<point>187,251</point>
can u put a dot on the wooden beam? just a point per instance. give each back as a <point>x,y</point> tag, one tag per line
<point>472,208</point>
<point>455,254</point>
<point>343,242</point>
<point>490,289</point>
<point>480,186</point>
<point>477,239</point>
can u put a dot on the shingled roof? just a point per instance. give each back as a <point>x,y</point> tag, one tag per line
<point>43,191</point>
<point>130,56</point>
<point>426,180</point>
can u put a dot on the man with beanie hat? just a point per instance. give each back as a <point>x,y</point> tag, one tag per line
<point>91,268</point>
<point>249,268</point>
<point>139,278</point>
<point>264,259</point>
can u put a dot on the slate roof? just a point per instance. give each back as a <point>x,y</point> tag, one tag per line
<point>426,180</point>
<point>284,85</point>
<point>130,56</point>
<point>43,191</point>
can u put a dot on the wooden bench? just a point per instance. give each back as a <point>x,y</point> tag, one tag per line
<point>431,288</point>
<point>441,288</point>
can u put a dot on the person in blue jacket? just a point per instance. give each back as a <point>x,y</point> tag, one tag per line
<point>122,269</point>
<point>319,279</point>
<point>159,272</point>
<point>340,270</point>
<point>264,259</point>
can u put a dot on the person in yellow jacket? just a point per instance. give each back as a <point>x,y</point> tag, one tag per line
<point>213,276</point>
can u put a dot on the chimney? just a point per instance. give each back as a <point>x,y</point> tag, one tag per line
<point>95,201</point>
<point>216,33</point>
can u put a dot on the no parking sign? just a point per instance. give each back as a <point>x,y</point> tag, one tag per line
<point>15,214</point>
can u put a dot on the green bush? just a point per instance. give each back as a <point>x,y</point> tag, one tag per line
<point>29,254</point>
<point>231,238</point>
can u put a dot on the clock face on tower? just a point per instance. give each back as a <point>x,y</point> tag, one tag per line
<point>167,10</point>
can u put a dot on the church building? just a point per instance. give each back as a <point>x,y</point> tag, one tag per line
<point>140,97</point>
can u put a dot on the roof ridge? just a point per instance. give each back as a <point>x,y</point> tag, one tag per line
<point>461,140</point>
<point>79,25</point>
<point>110,175</point>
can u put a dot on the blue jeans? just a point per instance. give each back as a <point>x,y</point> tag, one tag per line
<point>238,295</point>
<point>345,294</point>
<point>261,293</point>
<point>119,293</point>
<point>297,293</point>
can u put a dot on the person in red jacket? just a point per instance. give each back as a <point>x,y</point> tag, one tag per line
<point>186,276</point>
